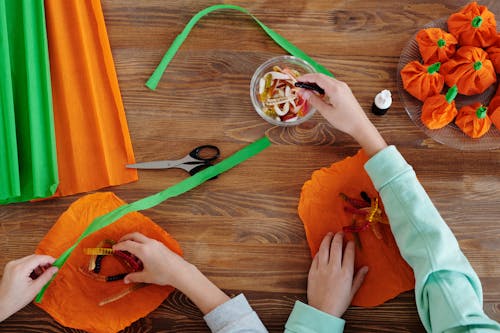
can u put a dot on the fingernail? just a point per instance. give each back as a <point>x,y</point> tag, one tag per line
<point>365,269</point>
<point>305,94</point>
<point>126,281</point>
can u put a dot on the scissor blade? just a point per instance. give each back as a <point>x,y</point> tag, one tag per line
<point>152,165</point>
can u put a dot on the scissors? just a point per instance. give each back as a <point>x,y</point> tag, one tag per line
<point>198,159</point>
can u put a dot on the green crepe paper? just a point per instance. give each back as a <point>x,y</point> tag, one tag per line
<point>155,199</point>
<point>28,160</point>
<point>153,81</point>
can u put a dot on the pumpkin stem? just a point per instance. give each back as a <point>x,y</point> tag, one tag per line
<point>434,68</point>
<point>441,42</point>
<point>478,65</point>
<point>477,21</point>
<point>481,112</point>
<point>451,94</point>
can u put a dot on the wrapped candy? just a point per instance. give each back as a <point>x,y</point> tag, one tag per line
<point>435,45</point>
<point>494,54</point>
<point>494,110</point>
<point>473,120</point>
<point>422,81</point>
<point>474,25</point>
<point>470,70</point>
<point>439,110</point>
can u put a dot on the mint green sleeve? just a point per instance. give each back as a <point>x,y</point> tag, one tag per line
<point>448,292</point>
<point>306,319</point>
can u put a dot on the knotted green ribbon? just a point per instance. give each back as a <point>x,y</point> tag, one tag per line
<point>153,81</point>
<point>155,199</point>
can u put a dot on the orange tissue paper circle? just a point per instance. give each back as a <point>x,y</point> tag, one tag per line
<point>73,299</point>
<point>322,210</point>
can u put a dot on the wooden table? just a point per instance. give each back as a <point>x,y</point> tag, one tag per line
<point>242,230</point>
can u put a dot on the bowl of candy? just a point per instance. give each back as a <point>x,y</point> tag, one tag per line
<point>274,94</point>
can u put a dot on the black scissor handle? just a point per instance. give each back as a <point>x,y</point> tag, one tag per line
<point>205,153</point>
<point>200,167</point>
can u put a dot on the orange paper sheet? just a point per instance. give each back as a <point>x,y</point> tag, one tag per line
<point>322,210</point>
<point>92,137</point>
<point>73,298</point>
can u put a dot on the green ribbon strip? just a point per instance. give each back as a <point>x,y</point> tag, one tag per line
<point>155,199</point>
<point>155,78</point>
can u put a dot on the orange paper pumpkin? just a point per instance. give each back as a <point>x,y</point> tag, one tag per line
<point>494,110</point>
<point>473,120</point>
<point>73,298</point>
<point>470,70</point>
<point>494,54</point>
<point>439,110</point>
<point>435,45</point>
<point>322,210</point>
<point>422,81</point>
<point>474,25</point>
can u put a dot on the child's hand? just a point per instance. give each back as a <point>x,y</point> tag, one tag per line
<point>331,285</point>
<point>17,289</point>
<point>161,265</point>
<point>341,109</point>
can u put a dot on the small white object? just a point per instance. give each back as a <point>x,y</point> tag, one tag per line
<point>383,100</point>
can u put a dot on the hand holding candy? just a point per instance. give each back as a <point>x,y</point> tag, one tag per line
<point>18,288</point>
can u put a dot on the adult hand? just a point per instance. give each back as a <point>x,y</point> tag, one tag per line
<point>331,285</point>
<point>341,109</point>
<point>17,288</point>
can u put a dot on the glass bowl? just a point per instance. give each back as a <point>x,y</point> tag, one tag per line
<point>291,62</point>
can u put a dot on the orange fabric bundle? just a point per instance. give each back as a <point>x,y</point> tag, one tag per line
<point>422,81</point>
<point>435,45</point>
<point>470,70</point>
<point>439,110</point>
<point>494,54</point>
<point>494,110</point>
<point>72,299</point>
<point>321,209</point>
<point>473,120</point>
<point>92,137</point>
<point>474,25</point>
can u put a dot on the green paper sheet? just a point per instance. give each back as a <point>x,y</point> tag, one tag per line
<point>173,191</point>
<point>28,164</point>
<point>155,78</point>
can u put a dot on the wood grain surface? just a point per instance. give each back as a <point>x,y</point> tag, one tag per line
<point>242,229</point>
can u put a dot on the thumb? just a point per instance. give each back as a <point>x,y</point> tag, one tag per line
<point>316,101</point>
<point>358,280</point>
<point>45,277</point>
<point>136,277</point>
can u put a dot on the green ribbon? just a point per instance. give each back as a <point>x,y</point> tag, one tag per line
<point>155,78</point>
<point>434,68</point>
<point>451,94</point>
<point>481,112</point>
<point>441,42</point>
<point>478,65</point>
<point>155,199</point>
<point>477,21</point>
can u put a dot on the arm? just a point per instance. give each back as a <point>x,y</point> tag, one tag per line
<point>448,292</point>
<point>164,267</point>
<point>17,288</point>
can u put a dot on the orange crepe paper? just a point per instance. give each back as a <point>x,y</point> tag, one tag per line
<point>474,25</point>
<point>494,54</point>
<point>470,70</point>
<point>473,121</point>
<point>435,45</point>
<point>439,110</point>
<point>494,110</point>
<point>422,81</point>
<point>322,210</point>
<point>72,299</point>
<point>92,137</point>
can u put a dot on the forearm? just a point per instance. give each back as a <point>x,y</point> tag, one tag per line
<point>447,290</point>
<point>201,291</point>
<point>369,138</point>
